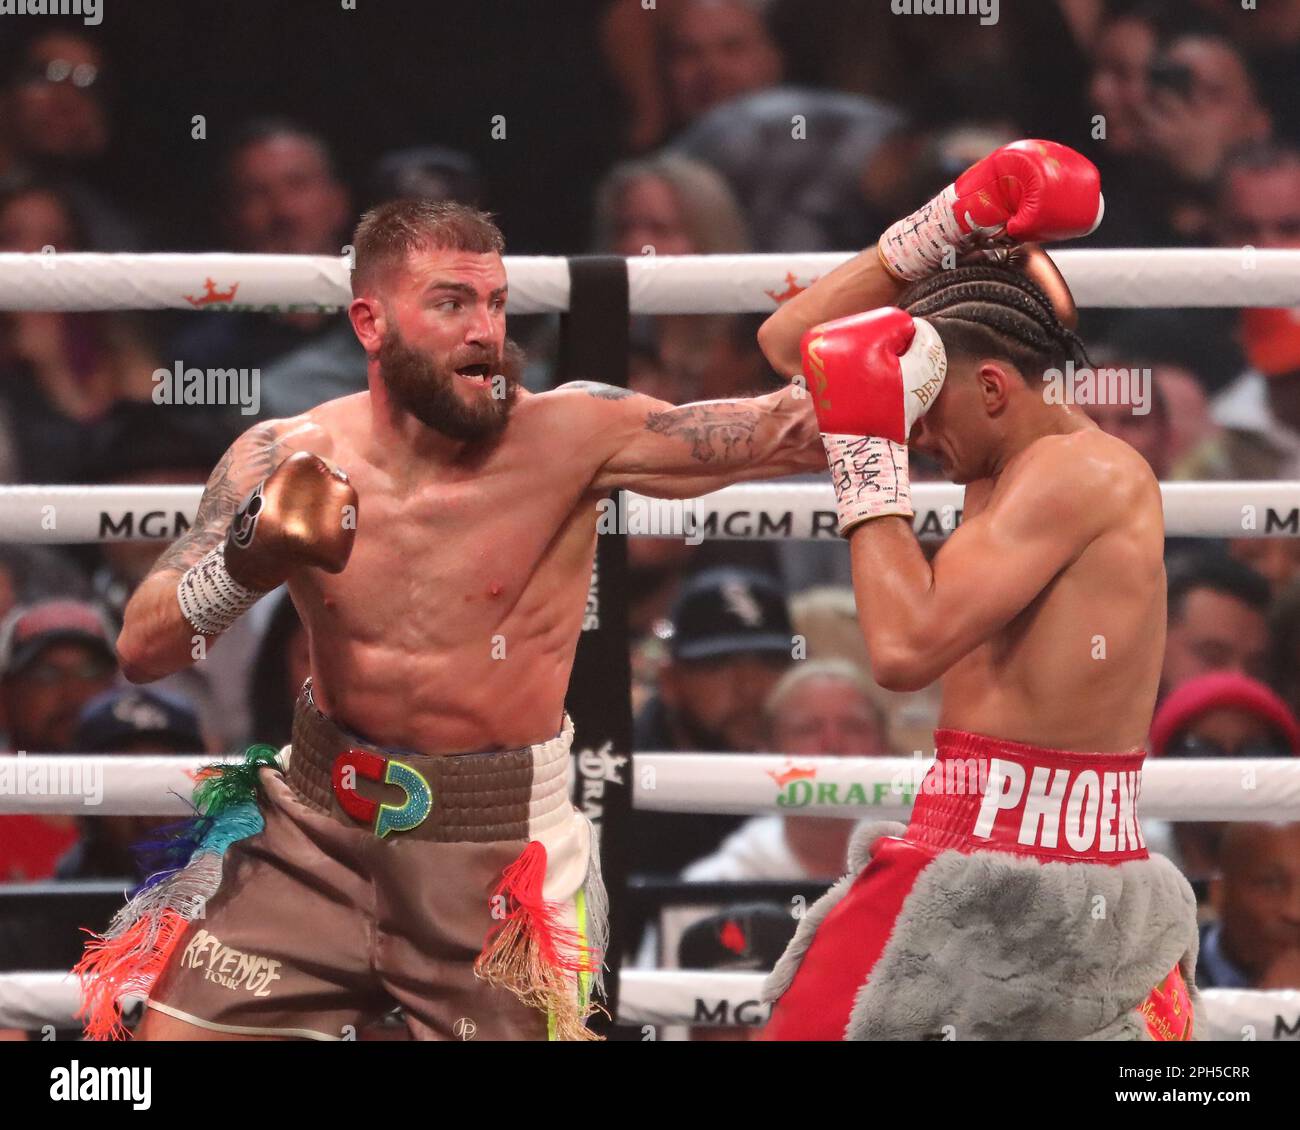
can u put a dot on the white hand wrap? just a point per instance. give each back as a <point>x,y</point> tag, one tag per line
<point>869,474</point>
<point>913,248</point>
<point>210,598</point>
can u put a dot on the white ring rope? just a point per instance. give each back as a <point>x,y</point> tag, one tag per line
<point>685,284</point>
<point>673,997</point>
<point>1237,789</point>
<point>1233,789</point>
<point>775,511</point>
<point>102,784</point>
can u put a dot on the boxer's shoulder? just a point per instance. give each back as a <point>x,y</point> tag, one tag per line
<point>322,430</point>
<point>1086,473</point>
<point>587,406</point>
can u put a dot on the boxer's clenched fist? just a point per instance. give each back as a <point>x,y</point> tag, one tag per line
<point>1027,190</point>
<point>871,377</point>
<point>303,514</point>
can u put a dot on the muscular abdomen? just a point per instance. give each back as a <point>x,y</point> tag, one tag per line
<point>1079,668</point>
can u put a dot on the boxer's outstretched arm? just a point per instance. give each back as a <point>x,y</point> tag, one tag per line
<point>861,284</point>
<point>155,640</point>
<point>681,451</point>
<point>919,619</point>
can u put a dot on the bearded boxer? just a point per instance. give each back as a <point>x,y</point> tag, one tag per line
<point>1020,902</point>
<point>436,534</point>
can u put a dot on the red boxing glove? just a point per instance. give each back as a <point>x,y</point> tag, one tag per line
<point>871,376</point>
<point>1027,190</point>
<point>874,373</point>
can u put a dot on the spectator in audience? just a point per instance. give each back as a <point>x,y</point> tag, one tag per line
<point>826,618</point>
<point>1188,407</point>
<point>796,160</point>
<point>1119,88</point>
<point>55,124</point>
<point>1223,714</point>
<point>667,205</point>
<point>33,573</point>
<point>1203,103</point>
<point>127,720</point>
<point>820,708</point>
<point>1259,411</point>
<point>1284,646</point>
<point>1254,943</point>
<point>714,51</point>
<point>427,172</point>
<point>731,641</point>
<point>61,372</point>
<point>1218,611</point>
<point>1275,559</point>
<point>281,195</point>
<point>1271,34</point>
<point>54,657</point>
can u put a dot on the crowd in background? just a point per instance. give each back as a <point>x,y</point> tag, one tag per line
<point>1188,108</point>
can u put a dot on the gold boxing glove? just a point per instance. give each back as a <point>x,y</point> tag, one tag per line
<point>302,515</point>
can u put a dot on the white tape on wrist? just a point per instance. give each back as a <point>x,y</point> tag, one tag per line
<point>914,247</point>
<point>210,598</point>
<point>869,474</point>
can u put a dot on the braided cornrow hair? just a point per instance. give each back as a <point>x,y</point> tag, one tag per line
<point>992,311</point>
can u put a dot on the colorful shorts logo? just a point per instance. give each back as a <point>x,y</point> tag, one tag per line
<point>382,818</point>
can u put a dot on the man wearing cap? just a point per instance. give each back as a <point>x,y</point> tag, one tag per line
<point>731,641</point>
<point>54,657</point>
<point>127,720</point>
<point>1219,714</point>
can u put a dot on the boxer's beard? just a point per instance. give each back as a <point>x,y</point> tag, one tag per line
<point>419,385</point>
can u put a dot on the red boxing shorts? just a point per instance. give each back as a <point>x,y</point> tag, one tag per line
<point>1020,903</point>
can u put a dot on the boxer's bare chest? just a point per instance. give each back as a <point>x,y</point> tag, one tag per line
<point>449,557</point>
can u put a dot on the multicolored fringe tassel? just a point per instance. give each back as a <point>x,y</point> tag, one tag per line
<point>128,957</point>
<point>546,964</point>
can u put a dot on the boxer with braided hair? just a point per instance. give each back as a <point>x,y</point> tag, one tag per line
<point>990,309</point>
<point>1043,613</point>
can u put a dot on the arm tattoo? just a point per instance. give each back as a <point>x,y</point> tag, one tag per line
<point>600,391</point>
<point>227,486</point>
<point>715,432</point>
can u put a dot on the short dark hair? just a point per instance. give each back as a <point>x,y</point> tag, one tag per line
<point>1256,157</point>
<point>390,232</point>
<point>1216,571</point>
<point>257,130</point>
<point>994,311</point>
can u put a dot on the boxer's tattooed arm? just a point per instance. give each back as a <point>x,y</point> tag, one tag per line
<point>713,432</point>
<point>250,459</point>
